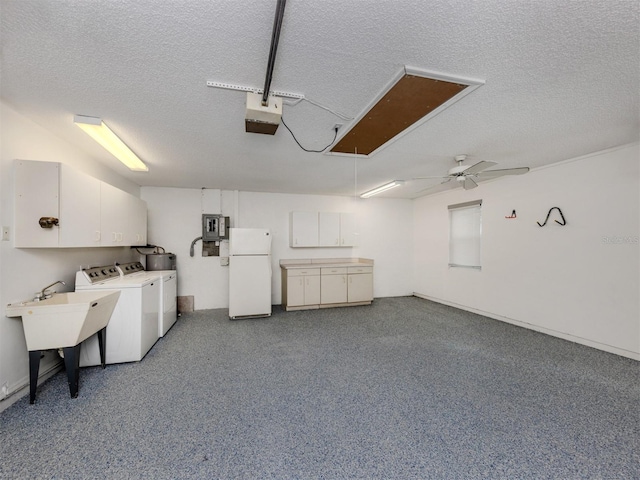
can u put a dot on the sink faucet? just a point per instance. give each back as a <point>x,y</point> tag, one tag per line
<point>43,295</point>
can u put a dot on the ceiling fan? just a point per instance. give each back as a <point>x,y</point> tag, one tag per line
<point>467,175</point>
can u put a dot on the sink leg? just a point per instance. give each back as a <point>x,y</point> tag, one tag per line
<point>102,345</point>
<point>34,367</point>
<point>72,365</point>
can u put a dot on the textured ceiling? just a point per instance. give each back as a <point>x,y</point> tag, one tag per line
<point>562,79</point>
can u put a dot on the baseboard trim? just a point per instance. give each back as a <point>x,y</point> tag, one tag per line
<point>21,387</point>
<point>548,331</point>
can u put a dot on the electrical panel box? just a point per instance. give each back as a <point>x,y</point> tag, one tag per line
<point>215,227</point>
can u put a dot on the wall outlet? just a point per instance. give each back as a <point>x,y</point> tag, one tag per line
<point>338,126</point>
<point>5,234</point>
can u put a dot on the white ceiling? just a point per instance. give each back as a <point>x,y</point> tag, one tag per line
<point>562,79</point>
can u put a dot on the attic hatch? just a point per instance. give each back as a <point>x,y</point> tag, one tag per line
<point>412,98</point>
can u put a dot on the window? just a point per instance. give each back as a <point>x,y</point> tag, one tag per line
<point>465,229</point>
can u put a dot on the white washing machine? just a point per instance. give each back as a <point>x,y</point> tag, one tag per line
<point>133,328</point>
<point>168,310</point>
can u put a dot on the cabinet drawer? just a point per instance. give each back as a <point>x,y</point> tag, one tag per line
<point>301,272</point>
<point>360,269</point>
<point>333,270</point>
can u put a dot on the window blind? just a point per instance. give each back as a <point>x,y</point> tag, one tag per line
<point>465,230</point>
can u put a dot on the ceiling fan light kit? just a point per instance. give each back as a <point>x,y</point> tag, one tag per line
<point>96,129</point>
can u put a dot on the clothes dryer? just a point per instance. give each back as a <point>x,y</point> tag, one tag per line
<point>168,309</point>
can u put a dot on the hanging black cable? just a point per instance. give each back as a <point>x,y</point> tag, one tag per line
<point>335,135</point>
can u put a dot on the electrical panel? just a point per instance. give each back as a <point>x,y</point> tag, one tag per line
<point>215,227</point>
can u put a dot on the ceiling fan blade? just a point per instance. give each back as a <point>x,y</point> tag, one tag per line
<point>478,167</point>
<point>448,179</point>
<point>469,183</point>
<point>504,171</point>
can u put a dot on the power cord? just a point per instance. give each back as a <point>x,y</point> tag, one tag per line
<point>335,135</point>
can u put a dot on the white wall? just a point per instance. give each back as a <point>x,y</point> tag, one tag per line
<point>25,271</point>
<point>578,282</point>
<point>175,216</point>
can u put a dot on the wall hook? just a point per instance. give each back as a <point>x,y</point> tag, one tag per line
<point>513,215</point>
<point>564,222</point>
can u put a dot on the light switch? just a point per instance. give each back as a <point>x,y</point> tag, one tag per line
<point>5,234</point>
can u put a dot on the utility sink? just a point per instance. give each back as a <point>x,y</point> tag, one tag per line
<point>64,319</point>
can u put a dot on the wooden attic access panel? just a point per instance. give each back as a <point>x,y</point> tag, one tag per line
<point>409,100</point>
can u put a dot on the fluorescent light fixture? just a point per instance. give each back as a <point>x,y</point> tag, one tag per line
<point>382,188</point>
<point>97,130</point>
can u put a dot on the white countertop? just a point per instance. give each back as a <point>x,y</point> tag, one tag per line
<point>287,264</point>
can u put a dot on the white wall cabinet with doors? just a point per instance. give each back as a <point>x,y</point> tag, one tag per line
<point>326,283</point>
<point>322,229</point>
<point>303,229</point>
<point>124,218</point>
<point>87,211</point>
<point>79,209</point>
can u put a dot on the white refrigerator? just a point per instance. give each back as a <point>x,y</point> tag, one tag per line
<point>249,272</point>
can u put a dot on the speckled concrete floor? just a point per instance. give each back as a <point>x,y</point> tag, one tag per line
<point>405,388</point>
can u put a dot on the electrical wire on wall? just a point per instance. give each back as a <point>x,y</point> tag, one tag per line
<point>335,135</point>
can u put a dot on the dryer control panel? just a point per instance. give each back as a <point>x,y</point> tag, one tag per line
<point>95,275</point>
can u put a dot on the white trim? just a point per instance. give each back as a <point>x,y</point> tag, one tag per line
<point>548,331</point>
<point>472,84</point>
<point>21,388</point>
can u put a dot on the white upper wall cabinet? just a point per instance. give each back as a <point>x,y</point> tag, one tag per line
<point>348,230</point>
<point>80,209</point>
<point>329,229</point>
<point>322,229</point>
<point>303,229</point>
<point>36,190</point>
<point>89,212</point>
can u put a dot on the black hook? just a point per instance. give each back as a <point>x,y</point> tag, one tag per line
<point>564,222</point>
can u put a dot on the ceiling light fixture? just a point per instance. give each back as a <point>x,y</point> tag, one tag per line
<point>382,188</point>
<point>96,129</point>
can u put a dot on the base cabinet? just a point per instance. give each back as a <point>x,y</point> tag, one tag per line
<point>360,287</point>
<point>333,285</point>
<point>305,288</point>
<point>300,287</point>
